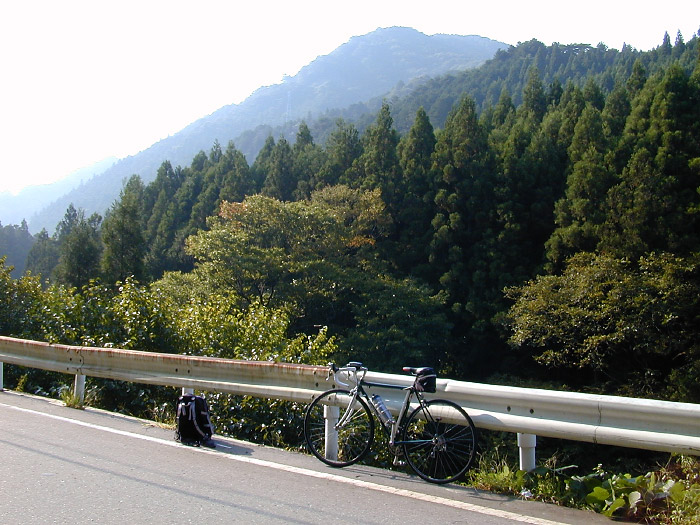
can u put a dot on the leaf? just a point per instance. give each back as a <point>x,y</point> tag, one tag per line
<point>614,506</point>
<point>677,492</point>
<point>634,497</point>
<point>598,496</point>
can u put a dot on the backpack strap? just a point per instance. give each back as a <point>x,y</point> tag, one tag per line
<point>193,417</point>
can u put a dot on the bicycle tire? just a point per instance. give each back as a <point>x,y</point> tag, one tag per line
<point>354,438</point>
<point>439,452</point>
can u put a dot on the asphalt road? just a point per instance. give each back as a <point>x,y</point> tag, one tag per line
<point>60,465</point>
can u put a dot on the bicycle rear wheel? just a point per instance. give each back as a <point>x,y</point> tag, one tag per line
<point>354,437</point>
<point>439,441</point>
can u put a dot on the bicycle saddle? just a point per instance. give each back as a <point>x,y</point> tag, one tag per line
<point>416,370</point>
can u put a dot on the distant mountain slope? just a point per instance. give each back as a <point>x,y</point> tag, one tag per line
<point>509,70</point>
<point>15,208</point>
<point>364,67</point>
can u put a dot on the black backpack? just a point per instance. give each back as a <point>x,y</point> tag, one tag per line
<point>192,423</point>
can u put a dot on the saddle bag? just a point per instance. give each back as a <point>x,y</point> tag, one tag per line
<point>425,380</point>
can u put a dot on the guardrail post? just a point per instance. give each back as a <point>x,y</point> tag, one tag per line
<point>331,414</point>
<point>79,388</point>
<point>527,444</point>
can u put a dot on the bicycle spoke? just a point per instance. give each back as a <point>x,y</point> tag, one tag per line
<point>439,451</point>
<point>352,426</point>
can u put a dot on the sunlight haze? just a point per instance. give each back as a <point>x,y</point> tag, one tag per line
<point>85,80</point>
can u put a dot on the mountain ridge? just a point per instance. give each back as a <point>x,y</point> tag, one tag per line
<point>380,60</point>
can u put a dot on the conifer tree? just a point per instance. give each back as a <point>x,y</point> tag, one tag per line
<point>615,113</point>
<point>261,166</point>
<point>238,182</point>
<point>526,187</point>
<point>504,111</point>
<point>416,205</point>
<point>124,244</point>
<point>580,214</point>
<point>215,153</point>
<point>637,79</point>
<point>179,220</point>
<point>161,218</point>
<point>200,162</point>
<point>555,92</point>
<point>666,48</point>
<point>652,207</point>
<point>68,222</point>
<point>570,108</point>
<point>534,98</point>
<point>157,197</point>
<point>279,182</point>
<point>15,243</point>
<point>632,226</point>
<point>464,222</point>
<point>80,250</point>
<point>593,95</point>
<point>207,200</point>
<point>343,148</point>
<point>303,138</point>
<point>43,256</point>
<point>379,161</point>
<point>308,160</point>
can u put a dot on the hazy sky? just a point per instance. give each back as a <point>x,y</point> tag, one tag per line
<point>84,80</point>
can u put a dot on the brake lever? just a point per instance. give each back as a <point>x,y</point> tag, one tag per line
<point>332,369</point>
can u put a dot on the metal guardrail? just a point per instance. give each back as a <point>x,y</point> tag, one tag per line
<point>610,420</point>
<point>607,420</point>
<point>291,382</point>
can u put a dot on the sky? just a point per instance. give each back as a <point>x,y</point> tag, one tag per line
<point>84,80</point>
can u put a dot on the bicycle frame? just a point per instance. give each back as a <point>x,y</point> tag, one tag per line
<point>358,390</point>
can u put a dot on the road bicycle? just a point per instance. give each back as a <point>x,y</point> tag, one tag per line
<point>435,437</point>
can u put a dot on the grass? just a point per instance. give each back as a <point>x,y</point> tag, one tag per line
<point>493,473</point>
<point>163,416</point>
<point>71,400</point>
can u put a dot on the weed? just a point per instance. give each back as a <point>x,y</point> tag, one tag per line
<point>667,495</point>
<point>22,383</point>
<point>71,399</point>
<point>163,415</point>
<point>548,483</point>
<point>495,474</point>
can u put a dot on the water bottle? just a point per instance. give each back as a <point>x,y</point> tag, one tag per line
<point>384,414</point>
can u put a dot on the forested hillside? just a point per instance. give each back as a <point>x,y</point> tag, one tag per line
<point>15,242</point>
<point>544,231</point>
<point>364,67</point>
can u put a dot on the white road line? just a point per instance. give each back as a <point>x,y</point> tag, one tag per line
<point>310,473</point>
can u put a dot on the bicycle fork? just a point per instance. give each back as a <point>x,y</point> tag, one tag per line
<point>333,421</point>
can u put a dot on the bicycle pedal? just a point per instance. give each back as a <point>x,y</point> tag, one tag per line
<point>398,462</point>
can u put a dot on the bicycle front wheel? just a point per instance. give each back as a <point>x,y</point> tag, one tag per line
<point>439,441</point>
<point>338,445</point>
